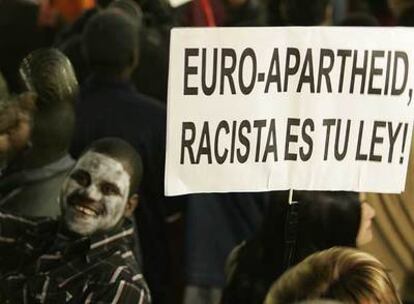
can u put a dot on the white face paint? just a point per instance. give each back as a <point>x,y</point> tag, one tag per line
<point>94,196</point>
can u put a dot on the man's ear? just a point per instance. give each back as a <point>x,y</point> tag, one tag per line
<point>131,204</point>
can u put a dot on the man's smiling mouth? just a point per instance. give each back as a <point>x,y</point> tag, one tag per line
<point>84,206</point>
<point>85,210</point>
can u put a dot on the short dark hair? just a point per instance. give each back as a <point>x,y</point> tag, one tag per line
<point>303,12</point>
<point>125,153</point>
<point>49,73</point>
<point>323,219</point>
<point>131,9</point>
<point>110,41</point>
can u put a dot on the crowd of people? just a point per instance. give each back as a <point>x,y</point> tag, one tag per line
<point>83,216</point>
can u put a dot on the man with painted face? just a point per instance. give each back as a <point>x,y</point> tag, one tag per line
<point>86,256</point>
<point>96,196</point>
<point>109,105</point>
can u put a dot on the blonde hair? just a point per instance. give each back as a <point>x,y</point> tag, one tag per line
<point>343,274</point>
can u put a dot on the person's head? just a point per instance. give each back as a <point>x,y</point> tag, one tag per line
<point>325,219</point>
<point>49,74</point>
<point>343,274</point>
<point>131,9</point>
<point>101,189</point>
<point>305,12</point>
<point>110,43</point>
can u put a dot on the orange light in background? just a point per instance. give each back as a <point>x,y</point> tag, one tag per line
<point>70,10</point>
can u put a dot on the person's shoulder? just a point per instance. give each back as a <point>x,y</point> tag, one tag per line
<point>16,229</point>
<point>232,261</point>
<point>26,221</point>
<point>145,106</point>
<point>116,276</point>
<point>150,102</point>
<point>36,199</point>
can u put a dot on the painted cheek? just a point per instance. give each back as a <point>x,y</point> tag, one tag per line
<point>114,205</point>
<point>114,208</point>
<point>65,191</point>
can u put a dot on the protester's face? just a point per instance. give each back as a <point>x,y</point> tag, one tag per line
<point>365,228</point>
<point>94,196</point>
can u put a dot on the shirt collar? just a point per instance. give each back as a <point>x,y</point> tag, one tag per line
<point>98,243</point>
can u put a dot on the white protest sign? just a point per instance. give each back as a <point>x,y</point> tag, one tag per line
<point>257,109</point>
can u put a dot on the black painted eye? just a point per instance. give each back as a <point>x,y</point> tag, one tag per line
<point>109,189</point>
<point>81,177</point>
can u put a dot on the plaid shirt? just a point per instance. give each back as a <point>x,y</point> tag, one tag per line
<point>40,264</point>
